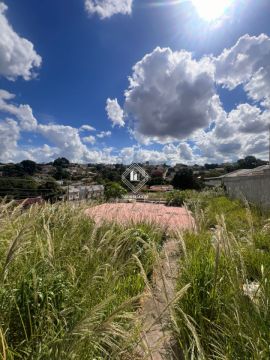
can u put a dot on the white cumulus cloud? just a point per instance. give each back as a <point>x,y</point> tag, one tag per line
<point>170,95</point>
<point>89,139</point>
<point>238,64</point>
<point>172,99</point>
<point>23,113</point>
<point>66,138</point>
<point>63,140</point>
<point>9,136</point>
<point>247,63</point>
<point>87,128</point>
<point>107,8</point>
<point>17,55</point>
<point>114,112</point>
<point>104,134</point>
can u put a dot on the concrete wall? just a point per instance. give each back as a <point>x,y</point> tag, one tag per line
<point>213,182</point>
<point>255,189</point>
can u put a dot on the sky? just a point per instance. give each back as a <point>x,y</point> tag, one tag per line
<point>122,81</point>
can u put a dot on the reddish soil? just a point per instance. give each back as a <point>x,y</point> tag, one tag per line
<point>156,339</point>
<point>170,218</point>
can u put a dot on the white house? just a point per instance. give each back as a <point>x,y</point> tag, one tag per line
<point>85,192</point>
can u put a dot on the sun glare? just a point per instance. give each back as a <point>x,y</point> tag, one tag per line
<point>211,10</point>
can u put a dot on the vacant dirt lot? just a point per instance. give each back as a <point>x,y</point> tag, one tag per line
<point>171,218</point>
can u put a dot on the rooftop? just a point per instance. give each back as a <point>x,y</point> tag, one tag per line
<point>243,172</point>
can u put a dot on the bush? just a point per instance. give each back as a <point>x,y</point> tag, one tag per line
<point>175,198</point>
<point>68,288</point>
<point>114,190</point>
<point>219,318</point>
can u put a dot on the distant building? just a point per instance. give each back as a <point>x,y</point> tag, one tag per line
<point>247,184</point>
<point>213,181</point>
<point>85,192</point>
<point>73,194</point>
<point>219,180</point>
<point>251,185</point>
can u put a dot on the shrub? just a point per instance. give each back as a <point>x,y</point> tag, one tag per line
<point>69,289</point>
<point>221,317</point>
<point>175,198</point>
<point>114,190</point>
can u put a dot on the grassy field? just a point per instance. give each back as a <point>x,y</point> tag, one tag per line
<point>69,289</point>
<point>225,313</point>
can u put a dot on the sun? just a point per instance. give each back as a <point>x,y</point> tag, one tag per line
<point>211,10</point>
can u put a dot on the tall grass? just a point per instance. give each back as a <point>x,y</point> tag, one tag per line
<point>225,312</point>
<point>69,289</point>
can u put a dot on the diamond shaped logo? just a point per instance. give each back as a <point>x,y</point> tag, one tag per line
<point>135,177</point>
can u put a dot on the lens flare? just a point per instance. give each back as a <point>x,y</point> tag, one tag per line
<point>211,10</point>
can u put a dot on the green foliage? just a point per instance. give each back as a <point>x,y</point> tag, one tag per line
<point>184,179</point>
<point>61,174</point>
<point>106,174</point>
<point>218,318</point>
<point>175,198</point>
<point>23,169</point>
<point>13,171</point>
<point>250,162</point>
<point>18,188</point>
<point>114,190</point>
<point>233,210</point>
<point>157,180</point>
<point>29,167</point>
<point>50,190</point>
<point>61,162</point>
<point>68,288</point>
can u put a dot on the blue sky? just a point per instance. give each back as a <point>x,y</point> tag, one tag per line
<point>189,99</point>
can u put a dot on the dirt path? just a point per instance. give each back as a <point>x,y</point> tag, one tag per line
<point>156,338</point>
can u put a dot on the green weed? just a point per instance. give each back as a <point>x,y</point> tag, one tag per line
<point>69,289</point>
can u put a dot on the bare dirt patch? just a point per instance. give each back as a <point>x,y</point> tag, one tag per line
<point>156,339</point>
<point>170,218</point>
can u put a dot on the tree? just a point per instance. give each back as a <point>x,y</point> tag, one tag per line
<point>210,166</point>
<point>29,167</point>
<point>184,179</point>
<point>230,167</point>
<point>18,188</point>
<point>13,171</point>
<point>50,190</point>
<point>157,181</point>
<point>61,162</point>
<point>249,162</point>
<point>114,190</point>
<point>61,174</point>
<point>213,173</point>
